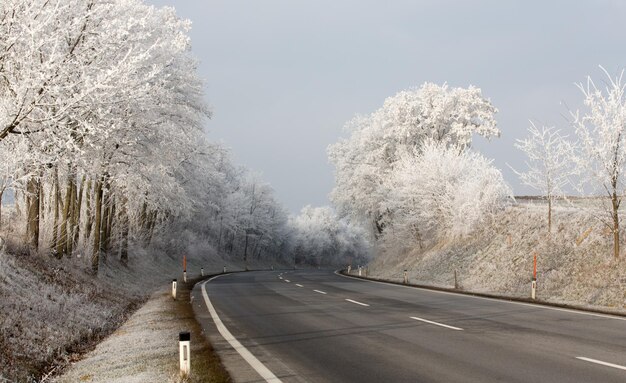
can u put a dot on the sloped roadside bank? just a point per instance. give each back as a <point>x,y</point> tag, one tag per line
<point>575,263</point>
<point>51,312</point>
<point>145,348</point>
<point>54,311</point>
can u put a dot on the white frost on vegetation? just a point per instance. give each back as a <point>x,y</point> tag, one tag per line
<point>443,192</point>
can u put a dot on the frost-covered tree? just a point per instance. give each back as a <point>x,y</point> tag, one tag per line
<point>549,163</point>
<point>443,192</point>
<point>366,159</point>
<point>319,237</point>
<point>601,160</point>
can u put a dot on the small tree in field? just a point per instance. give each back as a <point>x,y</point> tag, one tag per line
<point>549,163</point>
<point>601,133</point>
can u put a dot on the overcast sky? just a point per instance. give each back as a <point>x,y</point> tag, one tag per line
<point>283,77</point>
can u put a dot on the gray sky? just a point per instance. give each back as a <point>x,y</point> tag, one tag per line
<point>284,76</point>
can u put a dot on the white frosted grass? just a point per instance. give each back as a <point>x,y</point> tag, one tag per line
<point>497,258</point>
<point>144,349</point>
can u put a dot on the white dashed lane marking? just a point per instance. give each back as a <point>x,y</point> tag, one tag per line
<point>437,323</point>
<point>358,303</point>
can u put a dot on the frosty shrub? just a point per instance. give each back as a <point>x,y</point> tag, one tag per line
<point>443,191</point>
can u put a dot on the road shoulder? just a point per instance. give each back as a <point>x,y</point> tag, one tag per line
<point>145,348</point>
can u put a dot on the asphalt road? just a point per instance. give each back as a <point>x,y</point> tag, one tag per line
<point>315,326</point>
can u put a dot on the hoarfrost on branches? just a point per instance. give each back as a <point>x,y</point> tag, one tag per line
<point>601,160</point>
<point>549,164</point>
<point>405,121</point>
<point>442,192</point>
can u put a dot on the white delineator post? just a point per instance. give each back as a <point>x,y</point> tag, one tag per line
<point>202,271</point>
<point>349,268</point>
<point>184,343</point>
<point>533,287</point>
<point>174,288</point>
<point>185,276</point>
<point>359,270</point>
<point>406,277</point>
<point>223,271</point>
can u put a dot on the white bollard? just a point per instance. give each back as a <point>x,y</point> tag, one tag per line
<point>184,343</point>
<point>224,269</point>
<point>349,268</point>
<point>359,271</point>
<point>533,292</point>
<point>174,288</point>
<point>185,276</point>
<point>202,271</point>
<point>406,277</point>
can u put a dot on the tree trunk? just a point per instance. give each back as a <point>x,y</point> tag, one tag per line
<point>256,246</point>
<point>95,257</point>
<point>1,194</point>
<point>104,230</point>
<point>143,218</point>
<point>55,226</point>
<point>41,202</point>
<point>88,213</point>
<point>245,252</point>
<point>32,229</point>
<point>18,210</point>
<point>72,218</point>
<point>77,209</point>
<point>152,221</point>
<point>549,214</point>
<point>109,226</point>
<point>615,202</point>
<point>219,238</point>
<point>125,227</point>
<point>62,245</point>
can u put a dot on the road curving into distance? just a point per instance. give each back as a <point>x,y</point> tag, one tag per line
<point>316,326</point>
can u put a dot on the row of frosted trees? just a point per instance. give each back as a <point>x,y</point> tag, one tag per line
<point>101,138</point>
<point>408,171</point>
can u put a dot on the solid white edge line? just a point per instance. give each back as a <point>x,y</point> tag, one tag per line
<point>287,280</point>
<point>319,291</point>
<point>437,324</point>
<point>502,300</point>
<point>602,363</point>
<point>358,303</point>
<point>299,285</point>
<point>259,367</point>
